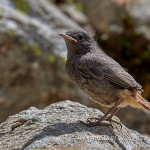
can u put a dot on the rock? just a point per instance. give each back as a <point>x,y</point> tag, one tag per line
<point>140,12</point>
<point>105,15</point>
<point>41,21</point>
<point>71,12</point>
<point>32,56</point>
<point>58,127</point>
<point>109,15</point>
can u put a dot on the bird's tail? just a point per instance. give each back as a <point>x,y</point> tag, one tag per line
<point>141,100</point>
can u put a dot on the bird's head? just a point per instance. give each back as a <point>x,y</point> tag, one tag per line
<point>78,41</point>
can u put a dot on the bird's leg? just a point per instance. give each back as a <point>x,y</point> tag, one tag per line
<point>111,116</point>
<point>103,117</point>
<point>98,121</point>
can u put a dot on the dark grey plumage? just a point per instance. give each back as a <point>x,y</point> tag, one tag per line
<point>97,74</point>
<point>93,63</point>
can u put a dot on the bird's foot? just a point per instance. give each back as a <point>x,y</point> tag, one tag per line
<point>110,119</point>
<point>98,121</point>
<point>95,121</point>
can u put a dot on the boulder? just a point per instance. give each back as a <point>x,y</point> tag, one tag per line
<point>109,15</point>
<point>32,56</point>
<point>58,127</point>
<point>32,59</point>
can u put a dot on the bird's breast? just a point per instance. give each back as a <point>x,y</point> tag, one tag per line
<point>100,91</point>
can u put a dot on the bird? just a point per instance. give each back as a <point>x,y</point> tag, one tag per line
<point>100,77</point>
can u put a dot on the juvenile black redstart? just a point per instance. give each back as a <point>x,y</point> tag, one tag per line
<point>100,77</point>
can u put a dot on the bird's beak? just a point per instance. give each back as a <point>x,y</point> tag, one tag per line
<point>68,37</point>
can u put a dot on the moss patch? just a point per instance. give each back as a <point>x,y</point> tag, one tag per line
<point>22,5</point>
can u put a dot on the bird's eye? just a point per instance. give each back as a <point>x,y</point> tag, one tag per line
<point>80,37</point>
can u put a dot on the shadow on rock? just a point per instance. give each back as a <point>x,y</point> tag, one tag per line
<point>59,129</point>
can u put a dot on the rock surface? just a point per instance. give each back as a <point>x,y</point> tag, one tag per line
<point>32,56</point>
<point>109,15</point>
<point>57,127</point>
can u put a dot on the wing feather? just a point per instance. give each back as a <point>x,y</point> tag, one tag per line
<point>101,66</point>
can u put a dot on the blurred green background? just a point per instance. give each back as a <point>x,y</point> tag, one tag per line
<point>32,55</point>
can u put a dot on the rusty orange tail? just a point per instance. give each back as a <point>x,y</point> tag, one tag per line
<point>141,100</point>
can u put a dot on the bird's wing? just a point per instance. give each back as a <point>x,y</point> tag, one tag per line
<point>110,71</point>
<point>89,73</point>
<point>118,76</point>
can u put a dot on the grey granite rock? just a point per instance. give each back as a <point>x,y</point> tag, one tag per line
<point>41,23</point>
<point>57,127</point>
<point>109,15</point>
<point>75,15</point>
<point>140,12</point>
<point>32,56</point>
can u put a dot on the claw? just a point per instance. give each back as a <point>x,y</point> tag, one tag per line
<point>98,122</point>
<point>111,120</point>
<point>92,118</point>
